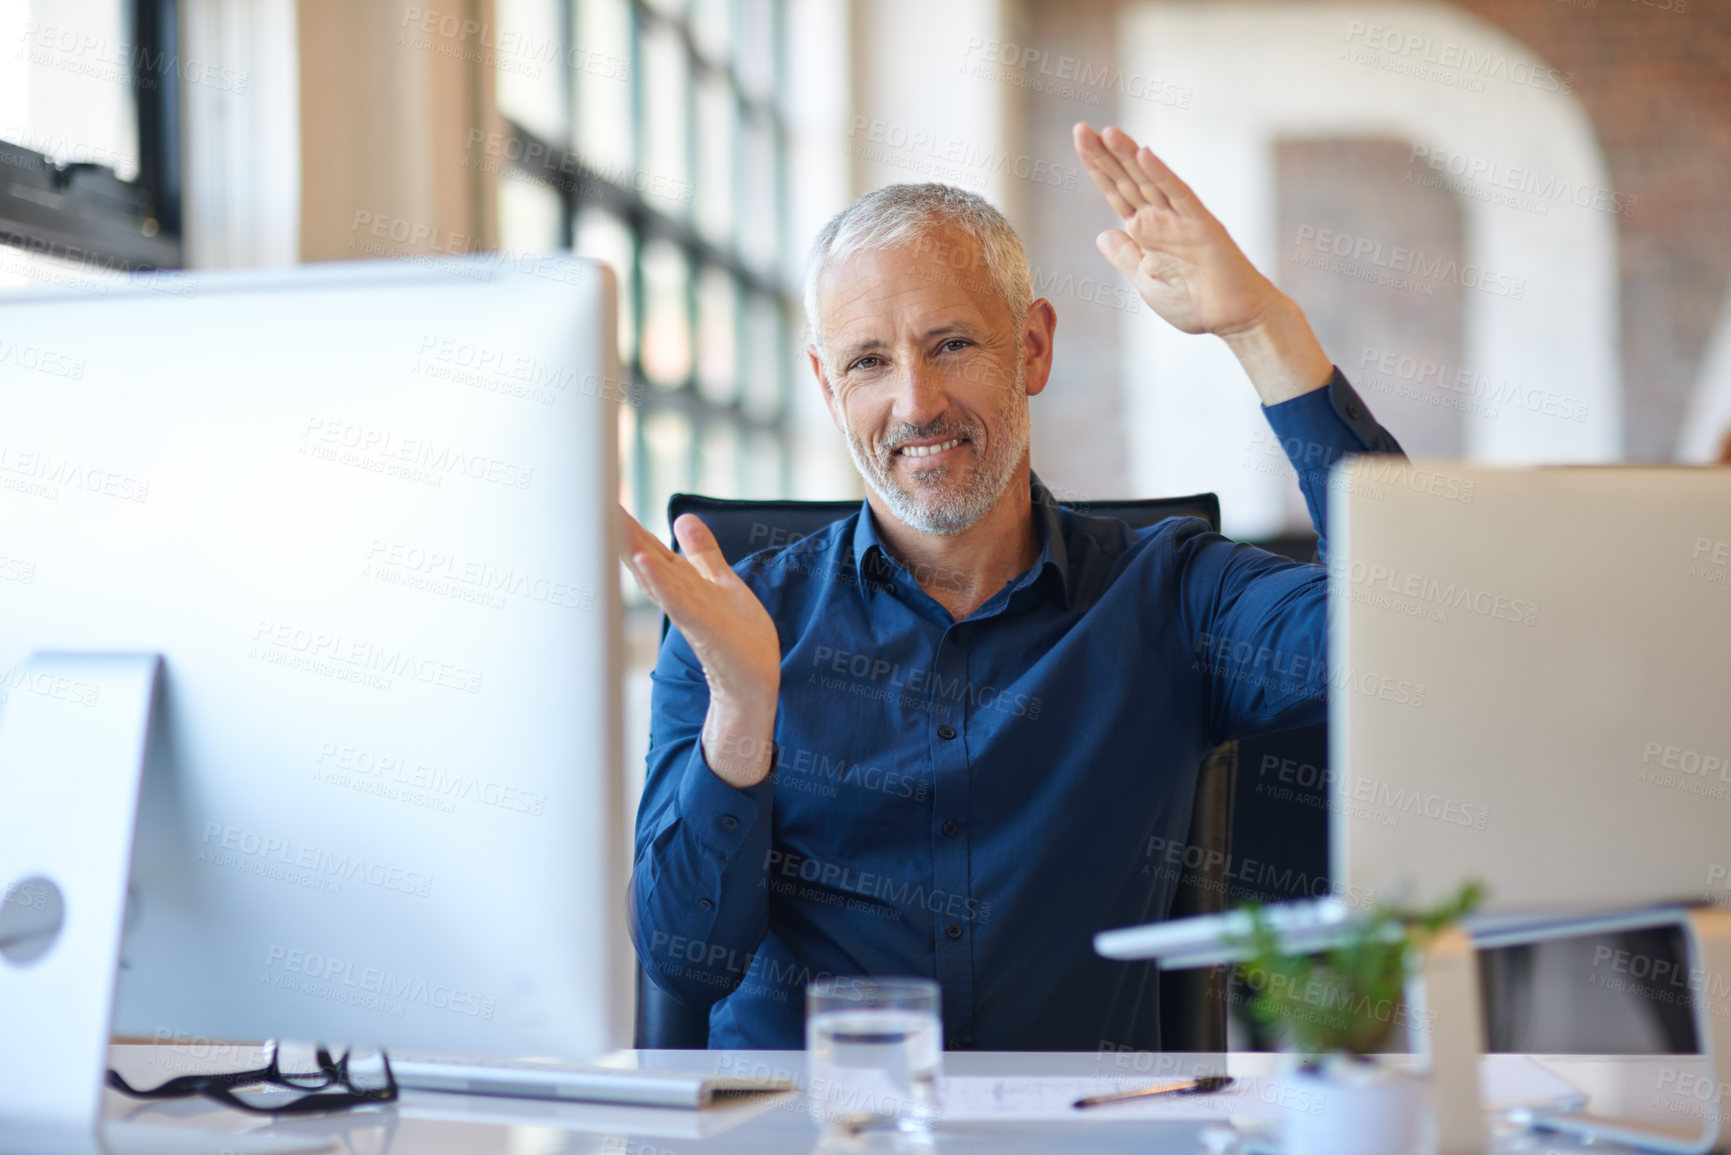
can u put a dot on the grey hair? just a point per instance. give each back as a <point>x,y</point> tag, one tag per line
<point>900,214</point>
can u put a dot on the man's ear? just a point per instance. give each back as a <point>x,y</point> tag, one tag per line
<point>1037,338</point>
<point>818,371</point>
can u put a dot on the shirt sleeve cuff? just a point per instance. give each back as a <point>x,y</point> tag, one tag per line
<point>1326,422</point>
<point>721,816</point>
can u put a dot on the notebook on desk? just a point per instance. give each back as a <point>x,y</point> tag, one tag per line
<point>534,1078</point>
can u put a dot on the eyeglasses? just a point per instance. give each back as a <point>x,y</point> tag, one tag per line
<point>363,1076</point>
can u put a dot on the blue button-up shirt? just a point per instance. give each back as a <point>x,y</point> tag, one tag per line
<point>972,800</point>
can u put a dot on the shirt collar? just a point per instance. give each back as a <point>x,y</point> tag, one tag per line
<point>1054,557</point>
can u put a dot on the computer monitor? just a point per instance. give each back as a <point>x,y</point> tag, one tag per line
<point>1526,685</point>
<point>1528,678</point>
<point>365,513</point>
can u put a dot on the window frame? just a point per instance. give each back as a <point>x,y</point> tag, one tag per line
<point>82,211</point>
<point>559,167</point>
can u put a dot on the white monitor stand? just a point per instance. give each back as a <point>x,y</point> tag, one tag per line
<point>1707,949</point>
<point>73,734</point>
<point>1445,991</point>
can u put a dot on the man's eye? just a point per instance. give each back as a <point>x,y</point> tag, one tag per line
<point>866,363</point>
<point>955,343</point>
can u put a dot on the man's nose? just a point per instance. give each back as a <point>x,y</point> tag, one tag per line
<point>922,395</point>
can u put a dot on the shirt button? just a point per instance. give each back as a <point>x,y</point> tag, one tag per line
<point>1353,411</point>
<point>949,827</point>
<point>954,930</point>
<point>946,732</point>
<point>729,822</point>
<point>890,587</point>
<point>705,904</point>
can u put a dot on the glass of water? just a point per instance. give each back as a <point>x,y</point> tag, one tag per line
<point>874,1048</point>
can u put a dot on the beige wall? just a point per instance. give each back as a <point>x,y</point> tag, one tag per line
<point>386,109</point>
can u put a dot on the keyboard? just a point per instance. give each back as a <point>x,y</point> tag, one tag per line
<point>536,1078</point>
<point>1207,939</point>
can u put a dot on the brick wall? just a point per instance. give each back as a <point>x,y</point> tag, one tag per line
<point>1656,82</point>
<point>1356,187</point>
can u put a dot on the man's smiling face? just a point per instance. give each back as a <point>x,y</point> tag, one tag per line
<point>924,372</point>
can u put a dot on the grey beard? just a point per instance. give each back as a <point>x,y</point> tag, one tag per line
<point>946,512</point>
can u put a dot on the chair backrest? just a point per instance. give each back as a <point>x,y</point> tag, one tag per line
<point>1192,1004</point>
<point>742,528</point>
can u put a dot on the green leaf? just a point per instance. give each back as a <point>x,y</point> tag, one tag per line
<point>1347,998</point>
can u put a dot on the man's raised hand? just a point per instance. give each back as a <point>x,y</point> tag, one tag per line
<point>729,631</point>
<point>1187,268</point>
<point>1181,259</point>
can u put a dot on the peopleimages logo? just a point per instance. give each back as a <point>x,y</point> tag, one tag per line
<point>72,691</point>
<point>40,360</point>
<point>888,143</point>
<point>327,869</point>
<point>1436,378</point>
<point>327,439</point>
<point>900,895</point>
<point>1377,579</point>
<point>349,659</point>
<point>80,52</point>
<point>375,988</point>
<point>844,670</point>
<point>1069,77</point>
<point>42,474</point>
<point>468,579</point>
<point>1399,265</point>
<point>1447,62</point>
<point>1542,188</point>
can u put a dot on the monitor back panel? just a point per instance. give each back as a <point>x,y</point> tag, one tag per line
<point>365,512</point>
<point>1531,683</point>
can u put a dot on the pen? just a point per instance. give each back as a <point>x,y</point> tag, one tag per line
<point>1203,1085</point>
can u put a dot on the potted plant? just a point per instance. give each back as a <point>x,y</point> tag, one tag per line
<point>1335,1009</point>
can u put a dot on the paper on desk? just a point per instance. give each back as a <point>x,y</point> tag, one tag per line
<point>996,1098</point>
<point>1505,1081</point>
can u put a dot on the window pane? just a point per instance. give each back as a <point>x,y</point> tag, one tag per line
<point>715,152</point>
<point>718,460</point>
<point>764,467</point>
<point>666,179</point>
<point>605,237</point>
<point>717,337</point>
<point>711,28</point>
<point>530,215</point>
<point>66,81</point>
<point>630,592</point>
<point>628,461</point>
<point>667,447</point>
<point>763,364</point>
<point>530,66</point>
<point>756,60</point>
<point>601,86</point>
<point>760,213</point>
<point>666,348</point>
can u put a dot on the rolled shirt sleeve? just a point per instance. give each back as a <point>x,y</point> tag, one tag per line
<point>699,895</point>
<point>1316,430</point>
<point>1260,621</point>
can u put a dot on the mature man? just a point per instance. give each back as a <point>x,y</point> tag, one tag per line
<point>937,737</point>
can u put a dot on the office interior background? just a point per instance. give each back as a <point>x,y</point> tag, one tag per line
<point>1506,219</point>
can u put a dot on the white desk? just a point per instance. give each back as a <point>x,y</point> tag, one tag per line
<point>425,1123</point>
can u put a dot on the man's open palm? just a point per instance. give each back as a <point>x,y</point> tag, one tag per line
<point>719,615</point>
<point>1172,249</point>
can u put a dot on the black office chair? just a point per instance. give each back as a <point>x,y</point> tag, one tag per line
<point>1192,1003</point>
